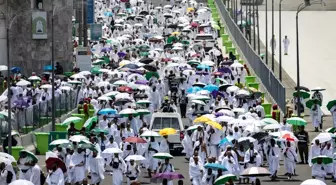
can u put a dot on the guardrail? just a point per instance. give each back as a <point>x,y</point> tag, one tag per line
<point>274,87</point>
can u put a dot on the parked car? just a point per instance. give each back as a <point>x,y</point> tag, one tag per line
<point>169,120</point>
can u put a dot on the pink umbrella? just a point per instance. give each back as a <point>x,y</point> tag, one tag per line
<point>167,175</point>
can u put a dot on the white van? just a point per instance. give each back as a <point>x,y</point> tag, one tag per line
<point>169,120</point>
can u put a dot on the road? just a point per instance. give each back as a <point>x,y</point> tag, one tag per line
<point>181,166</point>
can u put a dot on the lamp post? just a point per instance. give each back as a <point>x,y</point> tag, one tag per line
<point>258,29</point>
<point>254,26</point>
<point>301,7</point>
<point>280,43</point>
<point>273,38</point>
<point>266,23</point>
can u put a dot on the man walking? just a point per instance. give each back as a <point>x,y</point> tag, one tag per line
<point>273,43</point>
<point>303,138</point>
<point>286,43</point>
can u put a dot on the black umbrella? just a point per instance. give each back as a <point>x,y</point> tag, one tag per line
<point>130,18</point>
<point>168,46</point>
<point>264,139</point>
<point>259,135</point>
<point>174,26</point>
<point>201,85</point>
<point>228,62</point>
<point>143,13</point>
<point>303,88</point>
<point>131,66</point>
<point>146,60</point>
<point>121,102</point>
<point>141,96</point>
<point>224,87</point>
<point>199,112</point>
<point>242,96</point>
<point>139,18</point>
<point>150,68</point>
<point>167,16</point>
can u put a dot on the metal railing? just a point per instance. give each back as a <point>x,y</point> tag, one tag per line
<point>37,115</point>
<point>267,77</point>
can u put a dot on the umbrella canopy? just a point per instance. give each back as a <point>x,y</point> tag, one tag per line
<point>214,125</point>
<point>149,133</point>
<point>202,119</point>
<point>71,119</point>
<point>21,182</point>
<point>211,88</point>
<point>127,112</point>
<point>99,130</point>
<point>325,159</point>
<point>146,60</point>
<point>157,178</point>
<point>313,182</point>
<point>7,156</point>
<point>331,104</point>
<point>272,127</point>
<point>269,121</point>
<point>111,151</point>
<point>78,138</point>
<point>167,131</point>
<point>312,102</point>
<point>52,160</point>
<point>318,89</point>
<point>303,94</point>
<point>162,156</point>
<point>323,137</point>
<point>88,122</point>
<point>296,121</point>
<point>135,158</point>
<point>28,154</point>
<point>135,140</point>
<point>215,166</point>
<point>107,111</point>
<point>225,178</point>
<point>60,142</point>
<point>255,172</point>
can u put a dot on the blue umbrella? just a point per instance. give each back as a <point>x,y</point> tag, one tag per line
<point>108,14</point>
<point>48,68</point>
<point>131,66</point>
<point>226,141</point>
<point>15,69</point>
<point>107,111</point>
<point>121,54</point>
<point>215,166</point>
<point>202,66</point>
<point>192,90</point>
<point>211,87</point>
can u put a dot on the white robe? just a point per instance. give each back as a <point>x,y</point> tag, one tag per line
<point>164,148</point>
<point>313,152</point>
<point>79,171</point>
<point>286,43</point>
<point>132,171</point>
<point>56,177</point>
<point>273,160</point>
<point>187,146</point>
<point>35,175</point>
<point>152,162</point>
<point>117,177</point>
<point>333,113</point>
<point>316,116</point>
<point>290,159</point>
<point>329,153</point>
<point>96,168</point>
<point>196,173</point>
<point>318,173</point>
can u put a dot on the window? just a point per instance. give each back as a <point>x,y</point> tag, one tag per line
<point>204,37</point>
<point>160,123</point>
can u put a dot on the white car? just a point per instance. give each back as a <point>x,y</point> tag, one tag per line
<point>169,120</point>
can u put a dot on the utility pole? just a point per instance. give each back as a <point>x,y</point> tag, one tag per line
<point>9,118</point>
<point>79,18</point>
<point>84,5</point>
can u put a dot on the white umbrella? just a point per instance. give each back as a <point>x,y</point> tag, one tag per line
<point>34,78</point>
<point>51,155</point>
<point>104,98</point>
<point>122,96</point>
<point>3,68</point>
<point>135,158</point>
<point>120,82</point>
<point>103,84</point>
<point>323,137</point>
<point>194,127</point>
<point>188,72</point>
<point>272,127</point>
<point>3,98</point>
<point>112,151</point>
<point>242,92</point>
<point>5,160</point>
<point>77,76</point>
<point>232,89</point>
<point>239,110</point>
<point>149,133</point>
<point>237,65</point>
<point>104,70</point>
<point>313,182</point>
<point>227,112</point>
<point>78,138</point>
<point>200,97</point>
<point>46,86</point>
<point>143,102</point>
<point>128,111</point>
<point>176,48</point>
<point>74,82</point>
<point>5,155</point>
<point>203,92</point>
<point>112,93</point>
<point>85,73</point>
<point>224,119</point>
<point>163,156</point>
<point>250,139</point>
<point>21,182</point>
<point>198,102</point>
<point>59,142</point>
<point>23,83</point>
<point>269,121</point>
<point>66,88</point>
<point>252,129</point>
<point>208,63</point>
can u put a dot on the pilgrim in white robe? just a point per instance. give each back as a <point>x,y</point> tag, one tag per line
<point>316,116</point>
<point>132,173</point>
<point>152,162</point>
<point>213,142</point>
<point>333,113</point>
<point>25,173</point>
<point>164,147</point>
<point>313,152</point>
<point>273,159</point>
<point>96,169</point>
<point>318,171</point>
<point>231,165</point>
<point>196,173</point>
<point>167,168</point>
<point>77,163</point>
<point>56,177</point>
<point>117,176</point>
<point>290,158</point>
<point>187,146</point>
<point>328,152</point>
<point>70,171</point>
<point>35,175</point>
<point>286,43</point>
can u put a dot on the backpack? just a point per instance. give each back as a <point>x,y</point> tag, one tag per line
<point>42,178</point>
<point>9,177</point>
<point>29,93</point>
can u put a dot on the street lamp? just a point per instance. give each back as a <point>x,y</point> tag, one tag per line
<point>301,7</point>
<point>272,35</point>
<point>280,43</point>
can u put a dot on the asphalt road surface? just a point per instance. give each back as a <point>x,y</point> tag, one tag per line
<point>181,166</point>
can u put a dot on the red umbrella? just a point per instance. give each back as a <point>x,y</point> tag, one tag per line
<point>217,74</point>
<point>194,24</point>
<point>125,89</point>
<point>135,140</point>
<point>196,55</point>
<point>165,59</point>
<point>52,160</point>
<point>288,137</point>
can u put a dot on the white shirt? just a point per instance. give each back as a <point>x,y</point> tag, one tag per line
<point>103,124</point>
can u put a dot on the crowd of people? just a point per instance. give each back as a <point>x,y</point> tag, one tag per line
<point>149,60</point>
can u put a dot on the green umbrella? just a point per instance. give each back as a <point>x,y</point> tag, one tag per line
<point>185,42</point>
<point>106,59</point>
<point>297,121</point>
<point>331,104</point>
<point>98,62</point>
<point>71,119</point>
<point>162,156</point>
<point>312,102</point>
<point>98,131</point>
<point>325,159</point>
<point>224,179</point>
<point>87,146</point>
<point>144,48</point>
<point>88,123</point>
<point>149,75</point>
<point>269,121</point>
<point>95,70</point>
<point>303,94</point>
<point>144,54</point>
<point>29,154</point>
<point>171,39</point>
<point>262,55</point>
<point>193,62</point>
<point>331,130</point>
<point>143,112</point>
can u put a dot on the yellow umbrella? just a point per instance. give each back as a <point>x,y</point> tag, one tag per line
<point>202,119</point>
<point>176,33</point>
<point>124,62</point>
<point>190,9</point>
<point>167,131</point>
<point>214,124</point>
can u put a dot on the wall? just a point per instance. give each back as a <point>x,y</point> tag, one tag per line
<point>32,55</point>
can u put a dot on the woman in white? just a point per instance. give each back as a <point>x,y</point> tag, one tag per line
<point>196,171</point>
<point>55,176</point>
<point>96,168</point>
<point>290,159</point>
<point>132,172</point>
